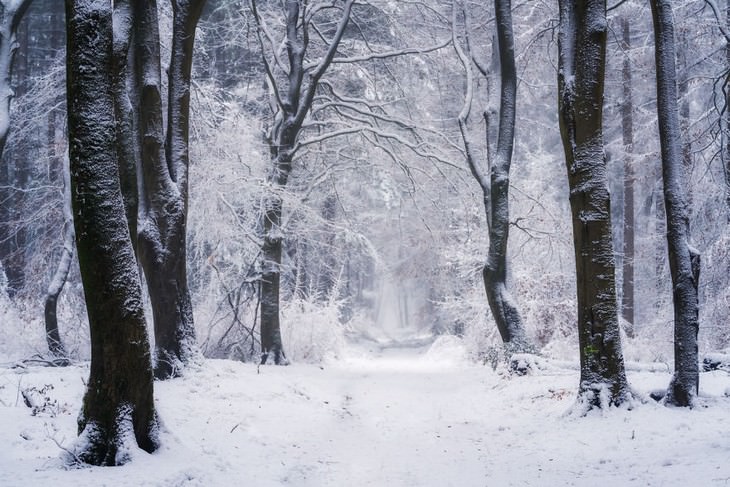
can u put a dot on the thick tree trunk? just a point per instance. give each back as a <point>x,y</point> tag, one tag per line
<point>581,53</point>
<point>118,407</point>
<point>684,261</point>
<point>684,112</point>
<point>124,80</point>
<point>53,336</point>
<point>627,126</point>
<point>501,303</point>
<point>164,202</point>
<point>271,344</point>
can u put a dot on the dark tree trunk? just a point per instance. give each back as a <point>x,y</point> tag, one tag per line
<point>726,167</point>
<point>53,336</point>
<point>684,112</point>
<point>164,202</point>
<point>627,126</point>
<point>118,406</point>
<point>12,238</point>
<point>660,232</point>
<point>11,11</point>
<point>495,196</point>
<point>293,104</point>
<point>124,79</point>
<point>581,55</point>
<point>271,345</point>
<point>501,303</point>
<point>684,261</point>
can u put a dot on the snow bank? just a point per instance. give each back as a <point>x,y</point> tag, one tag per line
<point>447,349</point>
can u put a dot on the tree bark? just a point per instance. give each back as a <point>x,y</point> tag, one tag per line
<point>684,111</point>
<point>124,79</point>
<point>164,201</point>
<point>581,57</point>
<point>271,344</point>
<point>684,261</point>
<point>501,302</point>
<point>627,126</point>
<point>118,407</point>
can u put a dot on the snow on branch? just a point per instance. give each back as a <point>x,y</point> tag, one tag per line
<point>391,54</point>
<point>720,24</point>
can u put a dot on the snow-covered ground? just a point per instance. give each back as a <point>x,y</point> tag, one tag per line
<point>394,417</point>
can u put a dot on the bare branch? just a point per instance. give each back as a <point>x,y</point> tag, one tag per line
<point>267,65</point>
<point>391,54</point>
<point>305,105</point>
<point>720,24</point>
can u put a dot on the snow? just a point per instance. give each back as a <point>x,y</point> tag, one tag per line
<point>380,415</point>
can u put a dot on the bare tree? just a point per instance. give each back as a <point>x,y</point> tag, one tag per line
<point>581,58</point>
<point>293,101</point>
<point>684,260</point>
<point>118,406</point>
<point>53,336</point>
<point>495,271</point>
<point>495,186</point>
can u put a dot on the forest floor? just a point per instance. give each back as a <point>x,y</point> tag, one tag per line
<point>414,415</point>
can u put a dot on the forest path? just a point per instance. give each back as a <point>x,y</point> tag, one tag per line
<point>395,416</point>
<point>388,416</point>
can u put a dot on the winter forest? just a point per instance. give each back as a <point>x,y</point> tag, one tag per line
<point>364,242</point>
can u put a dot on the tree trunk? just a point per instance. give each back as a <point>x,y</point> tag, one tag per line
<point>53,336</point>
<point>11,11</point>
<point>684,112</point>
<point>12,238</point>
<point>271,344</point>
<point>581,55</point>
<point>164,202</point>
<point>293,105</point>
<point>726,149</point>
<point>684,261</point>
<point>118,407</point>
<point>124,80</point>
<point>501,302</point>
<point>627,126</point>
<point>660,232</point>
